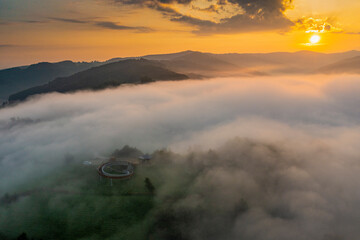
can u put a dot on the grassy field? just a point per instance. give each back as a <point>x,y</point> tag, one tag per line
<point>76,203</point>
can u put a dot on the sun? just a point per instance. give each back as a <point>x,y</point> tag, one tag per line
<point>314,39</point>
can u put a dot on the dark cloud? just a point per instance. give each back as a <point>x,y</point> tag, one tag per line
<point>102,24</point>
<point>257,15</point>
<point>7,45</point>
<point>89,21</point>
<point>114,26</point>
<point>237,23</point>
<point>149,2</point>
<point>262,7</point>
<point>111,25</point>
<point>32,21</point>
<point>68,20</point>
<point>22,21</point>
<point>194,21</point>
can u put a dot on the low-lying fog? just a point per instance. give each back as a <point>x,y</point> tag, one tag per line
<point>307,188</point>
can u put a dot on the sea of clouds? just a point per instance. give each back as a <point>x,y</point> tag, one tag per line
<point>305,186</point>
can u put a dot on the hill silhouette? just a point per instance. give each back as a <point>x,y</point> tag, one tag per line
<point>349,65</point>
<point>131,71</point>
<point>20,78</point>
<point>197,62</point>
<point>211,64</point>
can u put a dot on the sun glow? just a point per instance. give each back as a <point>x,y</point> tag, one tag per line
<point>314,39</point>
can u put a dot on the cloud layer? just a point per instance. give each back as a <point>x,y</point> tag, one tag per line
<point>294,159</point>
<point>317,25</point>
<point>259,15</point>
<point>102,24</point>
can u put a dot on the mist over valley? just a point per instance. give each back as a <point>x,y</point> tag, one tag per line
<point>232,157</point>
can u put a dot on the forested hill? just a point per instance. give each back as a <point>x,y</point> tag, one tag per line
<point>109,75</point>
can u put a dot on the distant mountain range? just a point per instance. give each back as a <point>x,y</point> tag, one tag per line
<point>20,78</point>
<point>209,64</point>
<point>67,76</point>
<point>108,75</point>
<point>348,65</point>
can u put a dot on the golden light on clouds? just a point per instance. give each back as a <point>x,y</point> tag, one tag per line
<point>120,28</point>
<point>317,25</point>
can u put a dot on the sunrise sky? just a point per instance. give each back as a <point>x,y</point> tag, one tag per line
<point>85,30</point>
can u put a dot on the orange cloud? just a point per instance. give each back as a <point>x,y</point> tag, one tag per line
<point>316,25</point>
<point>249,15</point>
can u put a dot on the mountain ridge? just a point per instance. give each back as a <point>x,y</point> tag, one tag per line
<point>191,63</point>
<point>132,71</point>
<point>20,78</point>
<point>348,65</point>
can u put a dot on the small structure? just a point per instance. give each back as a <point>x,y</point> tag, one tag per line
<point>145,158</point>
<point>116,170</point>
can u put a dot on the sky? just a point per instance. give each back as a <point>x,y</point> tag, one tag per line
<point>86,30</point>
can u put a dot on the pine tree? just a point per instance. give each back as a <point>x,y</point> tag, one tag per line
<point>149,185</point>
